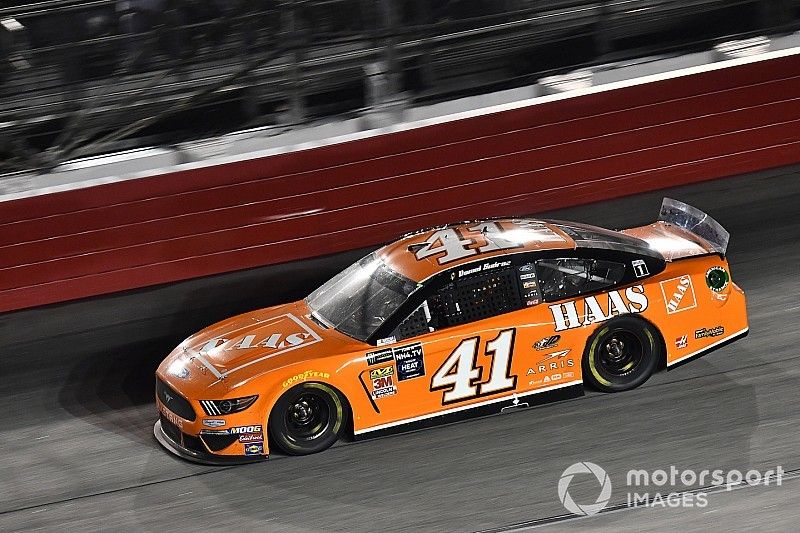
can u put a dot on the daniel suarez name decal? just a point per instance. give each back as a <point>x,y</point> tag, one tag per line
<point>593,309</point>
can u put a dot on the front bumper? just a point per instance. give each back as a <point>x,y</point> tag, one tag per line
<point>204,458</point>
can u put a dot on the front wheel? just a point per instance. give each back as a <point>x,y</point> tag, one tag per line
<point>307,419</point>
<point>622,354</point>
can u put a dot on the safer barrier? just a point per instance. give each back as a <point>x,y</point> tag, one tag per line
<point>550,153</point>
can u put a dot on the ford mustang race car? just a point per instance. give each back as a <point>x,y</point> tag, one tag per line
<point>461,320</point>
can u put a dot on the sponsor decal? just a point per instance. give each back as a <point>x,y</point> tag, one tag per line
<point>529,275</point>
<point>531,302</point>
<point>244,429</point>
<point>382,382</point>
<point>213,422</point>
<point>529,285</point>
<point>528,267</point>
<point>172,417</point>
<point>288,332</point>
<point>379,356</point>
<point>682,342</point>
<point>254,448</point>
<point>386,340</point>
<point>550,362</point>
<point>547,343</point>
<point>247,438</point>
<point>410,361</point>
<point>640,268</point>
<point>678,294</point>
<point>631,300</point>
<point>717,278</point>
<point>304,376</point>
<point>483,268</point>
<point>703,333</point>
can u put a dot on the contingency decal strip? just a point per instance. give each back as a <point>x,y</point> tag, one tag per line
<point>464,408</point>
<point>710,346</point>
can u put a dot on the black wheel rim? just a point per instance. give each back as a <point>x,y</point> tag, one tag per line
<point>621,353</point>
<point>308,417</point>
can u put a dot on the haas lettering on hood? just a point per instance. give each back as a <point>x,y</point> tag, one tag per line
<point>569,315</point>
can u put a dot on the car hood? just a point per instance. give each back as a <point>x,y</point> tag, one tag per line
<point>238,348</point>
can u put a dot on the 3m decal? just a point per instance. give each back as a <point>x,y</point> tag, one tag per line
<point>678,294</point>
<point>703,333</point>
<point>459,373</point>
<point>410,361</point>
<point>382,382</point>
<point>566,316</point>
<point>547,343</point>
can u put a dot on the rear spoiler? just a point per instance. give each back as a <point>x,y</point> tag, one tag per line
<point>695,221</point>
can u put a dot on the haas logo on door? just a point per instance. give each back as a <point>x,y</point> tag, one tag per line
<point>678,294</point>
<point>599,308</point>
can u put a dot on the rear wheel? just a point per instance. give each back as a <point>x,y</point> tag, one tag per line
<point>622,354</point>
<point>307,419</point>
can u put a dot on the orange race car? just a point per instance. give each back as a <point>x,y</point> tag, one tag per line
<point>461,320</point>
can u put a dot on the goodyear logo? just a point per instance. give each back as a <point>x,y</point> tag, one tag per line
<point>377,373</point>
<point>308,374</point>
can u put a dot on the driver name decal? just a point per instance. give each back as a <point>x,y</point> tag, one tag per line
<point>593,309</point>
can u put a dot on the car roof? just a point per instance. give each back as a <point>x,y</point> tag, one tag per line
<point>414,256</point>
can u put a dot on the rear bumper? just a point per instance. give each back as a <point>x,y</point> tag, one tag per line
<point>204,458</point>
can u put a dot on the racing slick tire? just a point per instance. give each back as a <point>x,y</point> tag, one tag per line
<point>308,418</point>
<point>621,354</point>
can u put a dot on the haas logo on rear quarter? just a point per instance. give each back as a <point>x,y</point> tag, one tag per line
<point>678,294</point>
<point>566,315</point>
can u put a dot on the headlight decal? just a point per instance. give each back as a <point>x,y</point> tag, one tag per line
<point>227,407</point>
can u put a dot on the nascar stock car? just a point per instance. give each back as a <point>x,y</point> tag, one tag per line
<point>461,320</point>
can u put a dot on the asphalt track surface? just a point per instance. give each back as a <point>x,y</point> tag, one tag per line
<point>77,451</point>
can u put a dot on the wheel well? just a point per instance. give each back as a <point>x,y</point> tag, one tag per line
<point>347,428</point>
<point>662,363</point>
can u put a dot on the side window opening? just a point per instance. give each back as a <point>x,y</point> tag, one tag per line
<point>415,324</point>
<point>569,277</point>
<point>464,300</point>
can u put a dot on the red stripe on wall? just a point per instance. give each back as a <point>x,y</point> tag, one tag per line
<point>296,205</point>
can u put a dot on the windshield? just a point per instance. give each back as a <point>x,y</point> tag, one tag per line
<point>361,297</point>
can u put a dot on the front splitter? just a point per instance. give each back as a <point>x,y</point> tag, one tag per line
<point>200,457</point>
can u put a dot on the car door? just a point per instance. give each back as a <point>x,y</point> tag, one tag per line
<point>469,342</point>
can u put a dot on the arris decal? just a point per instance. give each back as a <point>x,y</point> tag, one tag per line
<point>678,294</point>
<point>566,315</point>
